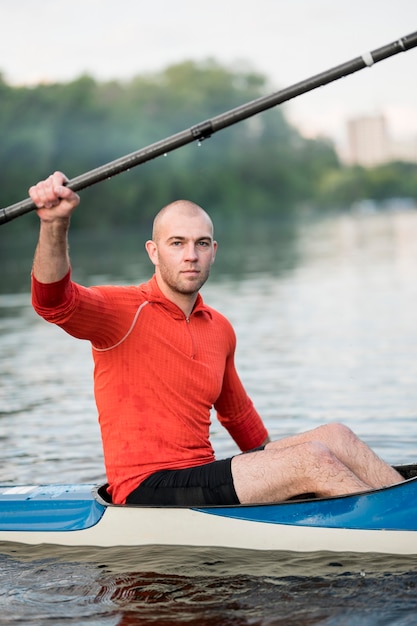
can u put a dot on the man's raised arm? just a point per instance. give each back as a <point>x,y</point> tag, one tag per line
<point>55,203</point>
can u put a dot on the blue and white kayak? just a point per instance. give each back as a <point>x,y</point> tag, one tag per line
<point>380,521</point>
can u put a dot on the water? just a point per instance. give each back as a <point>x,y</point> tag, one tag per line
<point>325,314</point>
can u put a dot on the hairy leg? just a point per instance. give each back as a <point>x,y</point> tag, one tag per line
<point>328,461</point>
<point>274,475</point>
<point>351,452</point>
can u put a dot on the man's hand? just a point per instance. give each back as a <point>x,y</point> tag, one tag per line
<point>54,200</point>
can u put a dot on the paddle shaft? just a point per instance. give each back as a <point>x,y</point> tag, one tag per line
<point>207,128</point>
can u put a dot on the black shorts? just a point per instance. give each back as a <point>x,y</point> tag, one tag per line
<point>204,485</point>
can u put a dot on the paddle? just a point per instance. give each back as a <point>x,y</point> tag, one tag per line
<point>209,127</point>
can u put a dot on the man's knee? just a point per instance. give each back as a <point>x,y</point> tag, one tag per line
<point>314,454</point>
<point>338,432</point>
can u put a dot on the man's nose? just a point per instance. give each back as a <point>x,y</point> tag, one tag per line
<point>191,252</point>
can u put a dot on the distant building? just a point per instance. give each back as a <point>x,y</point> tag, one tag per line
<point>368,141</point>
<point>370,144</point>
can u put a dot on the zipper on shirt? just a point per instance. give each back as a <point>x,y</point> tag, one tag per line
<point>187,321</point>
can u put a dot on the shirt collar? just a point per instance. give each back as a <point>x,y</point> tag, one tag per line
<point>153,294</point>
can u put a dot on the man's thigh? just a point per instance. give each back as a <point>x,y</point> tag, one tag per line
<point>270,475</point>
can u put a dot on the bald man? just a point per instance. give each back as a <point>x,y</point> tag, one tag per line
<point>163,359</point>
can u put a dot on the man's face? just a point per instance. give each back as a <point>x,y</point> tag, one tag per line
<point>183,251</point>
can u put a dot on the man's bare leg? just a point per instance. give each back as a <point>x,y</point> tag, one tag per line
<point>350,450</point>
<point>328,461</point>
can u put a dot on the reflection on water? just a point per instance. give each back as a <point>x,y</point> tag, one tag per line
<point>215,587</point>
<point>325,315</point>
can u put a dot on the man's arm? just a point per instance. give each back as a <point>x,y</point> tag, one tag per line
<point>56,204</point>
<point>237,414</point>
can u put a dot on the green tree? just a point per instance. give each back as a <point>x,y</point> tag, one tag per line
<point>261,166</point>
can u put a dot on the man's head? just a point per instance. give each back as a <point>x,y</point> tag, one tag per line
<point>182,248</point>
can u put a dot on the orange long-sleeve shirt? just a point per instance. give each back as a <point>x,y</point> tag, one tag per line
<point>157,375</point>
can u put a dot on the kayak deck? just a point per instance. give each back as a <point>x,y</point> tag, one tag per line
<point>50,507</point>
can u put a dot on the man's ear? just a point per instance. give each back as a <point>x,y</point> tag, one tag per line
<point>152,251</point>
<point>214,251</point>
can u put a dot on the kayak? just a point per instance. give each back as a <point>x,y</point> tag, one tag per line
<point>379,521</point>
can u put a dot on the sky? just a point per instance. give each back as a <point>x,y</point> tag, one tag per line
<point>285,40</point>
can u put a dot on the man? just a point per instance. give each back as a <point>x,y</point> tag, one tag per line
<point>163,359</point>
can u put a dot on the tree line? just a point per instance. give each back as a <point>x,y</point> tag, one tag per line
<point>259,167</point>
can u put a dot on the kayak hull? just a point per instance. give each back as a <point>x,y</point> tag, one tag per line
<point>381,521</point>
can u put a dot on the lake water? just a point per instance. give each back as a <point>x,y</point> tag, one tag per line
<point>325,312</point>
